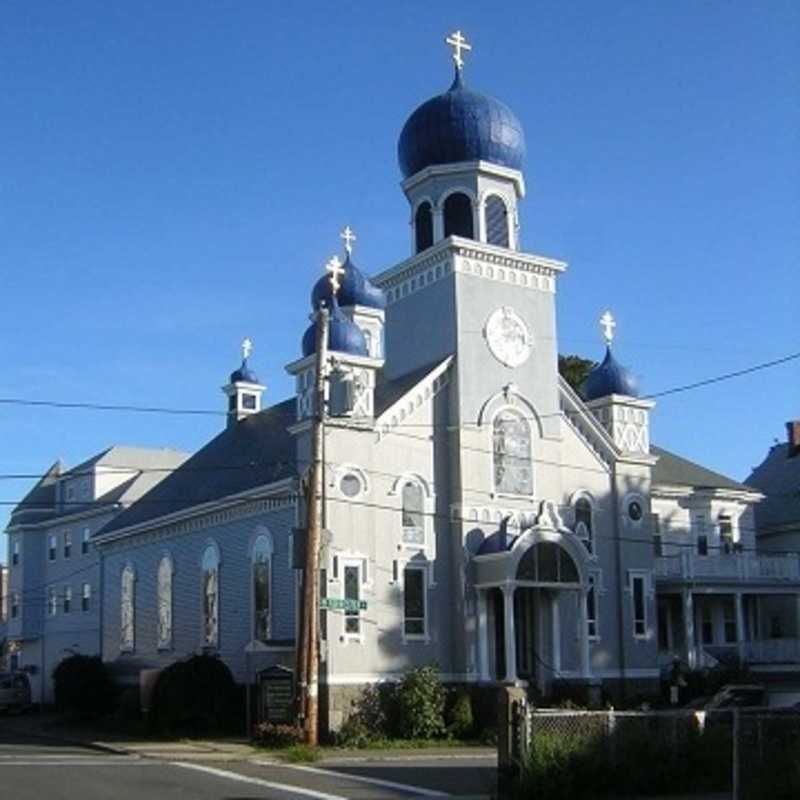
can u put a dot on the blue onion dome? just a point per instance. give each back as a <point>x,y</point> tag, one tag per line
<point>244,374</point>
<point>355,289</point>
<point>498,542</point>
<point>610,377</point>
<point>460,125</point>
<point>344,336</point>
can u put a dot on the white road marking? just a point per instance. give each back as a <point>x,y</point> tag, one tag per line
<point>420,791</point>
<point>72,762</point>
<point>283,787</point>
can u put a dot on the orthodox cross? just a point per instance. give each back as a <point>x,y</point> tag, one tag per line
<point>608,324</point>
<point>247,348</point>
<point>458,43</point>
<point>334,267</point>
<point>349,237</point>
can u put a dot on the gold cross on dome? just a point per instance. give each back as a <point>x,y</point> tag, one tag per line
<point>247,348</point>
<point>608,324</point>
<point>349,237</point>
<point>334,267</point>
<point>458,43</point>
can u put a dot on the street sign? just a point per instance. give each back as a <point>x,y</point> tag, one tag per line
<point>342,604</point>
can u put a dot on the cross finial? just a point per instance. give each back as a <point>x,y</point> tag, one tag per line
<point>247,348</point>
<point>458,43</point>
<point>349,237</point>
<point>334,267</point>
<point>608,324</point>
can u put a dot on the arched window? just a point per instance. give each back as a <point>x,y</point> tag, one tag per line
<point>262,588</point>
<point>458,216</point>
<point>210,596</point>
<point>413,513</point>
<point>127,610</point>
<point>583,523</point>
<point>496,221</point>
<point>513,472</point>
<point>547,562</point>
<point>164,623</point>
<point>423,226</point>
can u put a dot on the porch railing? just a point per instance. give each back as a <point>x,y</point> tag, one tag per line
<point>739,566</point>
<point>772,651</point>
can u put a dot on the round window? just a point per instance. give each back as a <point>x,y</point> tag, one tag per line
<point>350,485</point>
<point>635,510</point>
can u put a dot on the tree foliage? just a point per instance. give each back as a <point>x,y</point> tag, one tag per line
<point>574,370</point>
<point>82,686</point>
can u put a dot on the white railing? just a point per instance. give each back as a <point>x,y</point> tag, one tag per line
<point>739,566</point>
<point>772,651</point>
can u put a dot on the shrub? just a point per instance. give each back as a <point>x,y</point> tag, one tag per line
<point>420,704</point>
<point>82,686</point>
<point>193,697</point>
<point>372,716</point>
<point>460,720</point>
<point>269,734</point>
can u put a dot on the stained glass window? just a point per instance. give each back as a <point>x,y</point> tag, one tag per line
<point>210,597</point>
<point>352,591</point>
<point>262,555</point>
<point>165,603</point>
<point>513,473</point>
<point>583,522</point>
<point>413,514</point>
<point>127,610</point>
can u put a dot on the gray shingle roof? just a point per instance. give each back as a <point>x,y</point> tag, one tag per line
<point>389,392</point>
<point>778,477</point>
<point>255,451</point>
<point>673,470</point>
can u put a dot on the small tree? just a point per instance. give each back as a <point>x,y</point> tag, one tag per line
<point>82,686</point>
<point>420,704</point>
<point>574,370</point>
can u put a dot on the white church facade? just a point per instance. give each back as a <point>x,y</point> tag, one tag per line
<point>481,513</point>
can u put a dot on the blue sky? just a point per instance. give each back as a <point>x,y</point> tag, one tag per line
<point>172,176</point>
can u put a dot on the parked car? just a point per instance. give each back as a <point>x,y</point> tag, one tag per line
<point>15,691</point>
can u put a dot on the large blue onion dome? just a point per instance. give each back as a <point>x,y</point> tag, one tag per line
<point>244,374</point>
<point>610,377</point>
<point>460,125</point>
<point>344,336</point>
<point>355,289</point>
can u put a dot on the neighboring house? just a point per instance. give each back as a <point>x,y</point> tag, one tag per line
<point>778,529</point>
<point>54,576</point>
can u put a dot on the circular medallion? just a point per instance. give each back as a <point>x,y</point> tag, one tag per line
<point>508,337</point>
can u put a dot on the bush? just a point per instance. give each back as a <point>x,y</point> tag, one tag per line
<point>371,717</point>
<point>460,720</point>
<point>420,704</point>
<point>82,686</point>
<point>269,734</point>
<point>194,697</point>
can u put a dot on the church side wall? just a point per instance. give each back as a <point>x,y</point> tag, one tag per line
<point>234,540</point>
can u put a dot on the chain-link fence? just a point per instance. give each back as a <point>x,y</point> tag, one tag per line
<point>746,754</point>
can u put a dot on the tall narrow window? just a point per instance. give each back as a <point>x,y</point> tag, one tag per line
<point>52,602</point>
<point>414,605</point>
<point>583,523</point>
<point>67,599</point>
<point>86,597</point>
<point>639,606</point>
<point>706,624</point>
<point>729,617</point>
<point>211,597</point>
<point>15,553</point>
<point>458,216</point>
<point>352,594</point>
<point>14,605</point>
<point>85,541</point>
<point>496,221</point>
<point>52,544</point>
<point>725,533</point>
<point>658,543</point>
<point>591,608</point>
<point>413,514</point>
<point>262,587</point>
<point>127,610</point>
<point>512,454</point>
<point>164,629</point>
<point>67,544</point>
<point>423,226</point>
<point>702,544</point>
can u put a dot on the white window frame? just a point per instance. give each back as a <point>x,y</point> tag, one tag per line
<point>262,533</point>
<point>358,563</point>
<point>595,578</point>
<point>52,547</point>
<point>66,604</point>
<point>634,576</point>
<point>211,644</point>
<point>428,544</point>
<point>14,605</point>
<point>424,568</point>
<point>85,536</point>
<point>15,552</point>
<point>67,545</point>
<point>52,603</point>
<point>634,497</point>
<point>495,492</point>
<point>591,538</point>
<point>86,597</point>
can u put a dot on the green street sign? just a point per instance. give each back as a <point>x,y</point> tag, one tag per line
<point>342,604</point>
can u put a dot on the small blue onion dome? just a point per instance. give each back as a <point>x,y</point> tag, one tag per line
<point>610,377</point>
<point>355,289</point>
<point>344,336</point>
<point>460,125</point>
<point>244,374</point>
<point>498,542</point>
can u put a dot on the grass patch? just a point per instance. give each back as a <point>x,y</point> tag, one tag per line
<point>301,754</point>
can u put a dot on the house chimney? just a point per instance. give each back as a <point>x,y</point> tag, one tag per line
<point>793,431</point>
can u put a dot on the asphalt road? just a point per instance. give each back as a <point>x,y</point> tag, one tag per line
<point>32,768</point>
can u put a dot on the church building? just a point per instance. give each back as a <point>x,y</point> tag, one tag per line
<point>478,512</point>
